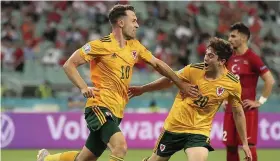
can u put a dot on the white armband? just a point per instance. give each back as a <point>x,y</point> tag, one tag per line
<point>262,100</point>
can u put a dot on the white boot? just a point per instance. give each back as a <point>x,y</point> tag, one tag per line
<point>42,154</point>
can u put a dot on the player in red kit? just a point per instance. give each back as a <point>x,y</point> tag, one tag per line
<point>248,67</point>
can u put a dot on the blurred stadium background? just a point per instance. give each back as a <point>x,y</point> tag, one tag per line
<point>38,37</point>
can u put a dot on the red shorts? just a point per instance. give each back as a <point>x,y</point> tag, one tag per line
<point>230,134</point>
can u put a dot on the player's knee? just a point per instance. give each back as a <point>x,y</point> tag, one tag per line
<point>119,149</point>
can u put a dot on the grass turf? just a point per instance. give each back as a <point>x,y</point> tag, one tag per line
<point>138,155</point>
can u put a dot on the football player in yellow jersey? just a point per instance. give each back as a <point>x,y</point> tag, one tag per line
<point>111,61</point>
<point>189,122</point>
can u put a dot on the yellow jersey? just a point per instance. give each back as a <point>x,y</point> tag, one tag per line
<point>195,115</point>
<point>111,70</point>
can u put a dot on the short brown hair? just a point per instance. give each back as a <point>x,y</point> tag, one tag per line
<point>221,47</point>
<point>240,27</point>
<point>117,11</point>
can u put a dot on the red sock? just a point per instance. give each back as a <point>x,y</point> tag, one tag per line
<point>254,153</point>
<point>232,154</point>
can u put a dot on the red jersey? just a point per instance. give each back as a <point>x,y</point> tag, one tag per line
<point>247,67</point>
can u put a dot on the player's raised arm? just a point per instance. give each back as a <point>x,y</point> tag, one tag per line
<point>162,83</point>
<point>161,67</point>
<point>159,84</point>
<point>166,71</point>
<point>239,119</point>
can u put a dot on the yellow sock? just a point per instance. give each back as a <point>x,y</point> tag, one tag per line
<point>66,156</point>
<point>114,158</point>
<point>54,157</point>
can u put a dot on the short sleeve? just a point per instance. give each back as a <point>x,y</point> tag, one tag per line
<point>92,50</point>
<point>144,53</point>
<point>184,73</point>
<point>258,65</point>
<point>235,97</point>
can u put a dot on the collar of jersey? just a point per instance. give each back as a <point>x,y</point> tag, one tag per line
<point>246,53</point>
<point>114,40</point>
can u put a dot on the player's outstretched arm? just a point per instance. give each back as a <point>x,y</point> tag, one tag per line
<point>166,71</point>
<point>70,68</point>
<point>159,84</point>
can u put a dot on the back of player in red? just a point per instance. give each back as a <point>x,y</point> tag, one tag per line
<point>248,67</point>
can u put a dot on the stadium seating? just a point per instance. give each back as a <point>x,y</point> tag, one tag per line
<point>35,72</point>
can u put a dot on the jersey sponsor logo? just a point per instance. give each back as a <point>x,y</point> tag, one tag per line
<point>220,91</point>
<point>236,60</point>
<point>7,130</point>
<point>86,48</point>
<point>161,147</point>
<point>208,140</point>
<point>134,54</point>
<point>114,55</point>
<point>109,114</point>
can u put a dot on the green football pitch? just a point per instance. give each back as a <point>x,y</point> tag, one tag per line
<point>137,155</point>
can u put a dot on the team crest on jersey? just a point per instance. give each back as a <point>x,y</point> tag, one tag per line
<point>220,91</point>
<point>134,54</point>
<point>162,147</point>
<point>114,55</point>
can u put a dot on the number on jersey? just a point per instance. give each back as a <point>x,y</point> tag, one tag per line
<point>201,101</point>
<point>125,72</point>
